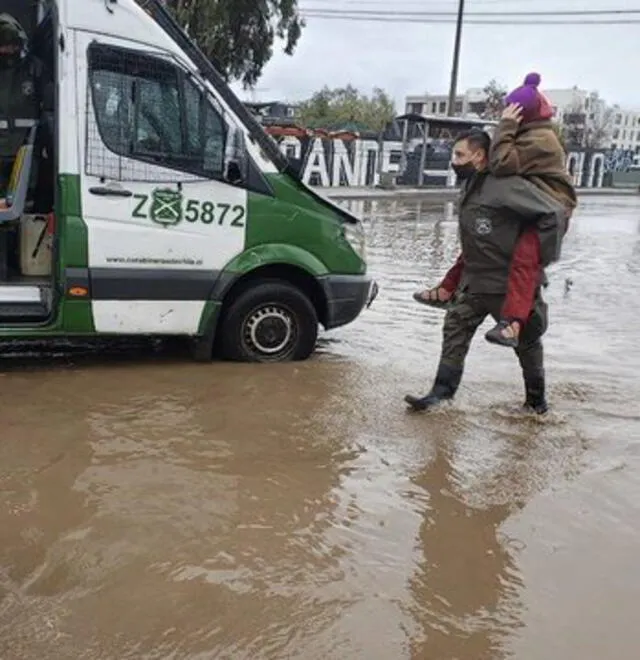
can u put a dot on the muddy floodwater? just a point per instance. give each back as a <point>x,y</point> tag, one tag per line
<point>153,508</point>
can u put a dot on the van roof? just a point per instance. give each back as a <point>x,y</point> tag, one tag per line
<point>117,18</point>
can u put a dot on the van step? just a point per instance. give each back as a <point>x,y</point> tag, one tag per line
<point>11,293</point>
<point>19,312</point>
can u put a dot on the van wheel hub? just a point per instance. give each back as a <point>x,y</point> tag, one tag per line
<point>270,330</point>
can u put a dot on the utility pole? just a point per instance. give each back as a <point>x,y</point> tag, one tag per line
<point>456,60</point>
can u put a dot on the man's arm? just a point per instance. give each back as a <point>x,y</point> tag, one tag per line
<point>503,155</point>
<point>534,207</point>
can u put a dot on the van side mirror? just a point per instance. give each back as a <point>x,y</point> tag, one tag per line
<point>233,174</point>
<point>236,162</point>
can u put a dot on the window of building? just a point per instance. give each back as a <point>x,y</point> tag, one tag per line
<point>458,108</point>
<point>147,109</point>
<point>618,119</point>
<point>442,108</point>
<point>415,108</point>
<point>616,133</point>
<point>434,108</point>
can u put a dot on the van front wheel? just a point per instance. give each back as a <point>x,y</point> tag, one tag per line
<point>272,321</point>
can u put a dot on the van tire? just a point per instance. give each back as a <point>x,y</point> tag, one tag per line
<point>272,321</point>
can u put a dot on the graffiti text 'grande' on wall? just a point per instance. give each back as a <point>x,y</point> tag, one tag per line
<point>352,161</point>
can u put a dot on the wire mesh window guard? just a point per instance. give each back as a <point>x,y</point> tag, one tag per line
<point>148,121</point>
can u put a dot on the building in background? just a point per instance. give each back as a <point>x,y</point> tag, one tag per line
<point>271,110</point>
<point>471,104</point>
<point>588,121</point>
<point>625,133</point>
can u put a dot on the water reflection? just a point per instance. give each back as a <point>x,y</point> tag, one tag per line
<point>466,589</point>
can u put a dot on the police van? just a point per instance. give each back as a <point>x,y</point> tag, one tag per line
<point>142,198</point>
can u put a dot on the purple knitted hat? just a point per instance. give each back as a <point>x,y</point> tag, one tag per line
<point>527,95</point>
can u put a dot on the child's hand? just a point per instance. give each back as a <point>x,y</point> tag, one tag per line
<point>513,111</point>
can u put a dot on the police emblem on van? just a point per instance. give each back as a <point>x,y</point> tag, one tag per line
<point>483,226</point>
<point>166,207</point>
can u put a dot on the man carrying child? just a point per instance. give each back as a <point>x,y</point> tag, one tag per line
<point>514,208</point>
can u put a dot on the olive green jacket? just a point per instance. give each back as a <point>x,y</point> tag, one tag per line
<point>492,214</point>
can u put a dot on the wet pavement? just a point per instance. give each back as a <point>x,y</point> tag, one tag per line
<point>155,508</point>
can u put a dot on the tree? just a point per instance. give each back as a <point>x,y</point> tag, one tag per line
<point>588,130</point>
<point>239,35</point>
<point>599,130</point>
<point>494,100</point>
<point>347,108</point>
<point>574,125</point>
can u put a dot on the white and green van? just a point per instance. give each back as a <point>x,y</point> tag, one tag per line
<point>171,212</point>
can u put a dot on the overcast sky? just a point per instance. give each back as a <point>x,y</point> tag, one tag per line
<point>412,58</point>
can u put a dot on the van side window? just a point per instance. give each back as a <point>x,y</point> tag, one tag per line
<point>149,110</point>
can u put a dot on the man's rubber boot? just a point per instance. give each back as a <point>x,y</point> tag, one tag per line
<point>444,389</point>
<point>536,401</point>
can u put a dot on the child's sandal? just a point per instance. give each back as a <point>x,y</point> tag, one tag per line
<point>432,299</point>
<point>496,335</point>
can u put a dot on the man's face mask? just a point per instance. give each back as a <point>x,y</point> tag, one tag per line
<point>9,57</point>
<point>464,170</point>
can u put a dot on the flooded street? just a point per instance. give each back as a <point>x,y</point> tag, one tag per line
<point>155,508</point>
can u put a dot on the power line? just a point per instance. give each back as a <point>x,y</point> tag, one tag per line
<point>340,4</point>
<point>471,21</point>
<point>488,14</point>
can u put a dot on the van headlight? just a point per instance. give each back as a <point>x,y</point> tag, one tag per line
<point>355,235</point>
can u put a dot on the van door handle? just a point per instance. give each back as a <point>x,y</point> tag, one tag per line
<point>110,192</point>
